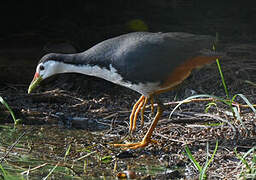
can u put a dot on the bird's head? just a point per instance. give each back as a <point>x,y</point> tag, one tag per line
<point>46,67</point>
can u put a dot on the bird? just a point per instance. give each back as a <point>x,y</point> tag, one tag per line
<point>146,62</point>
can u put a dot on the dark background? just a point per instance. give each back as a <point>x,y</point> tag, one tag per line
<point>28,26</point>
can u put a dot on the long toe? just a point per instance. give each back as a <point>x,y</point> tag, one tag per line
<point>137,145</point>
<point>134,114</point>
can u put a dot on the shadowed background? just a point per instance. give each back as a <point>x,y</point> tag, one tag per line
<point>31,29</point>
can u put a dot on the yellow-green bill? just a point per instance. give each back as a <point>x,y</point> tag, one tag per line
<point>35,82</point>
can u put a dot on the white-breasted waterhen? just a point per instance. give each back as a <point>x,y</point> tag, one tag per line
<point>149,63</point>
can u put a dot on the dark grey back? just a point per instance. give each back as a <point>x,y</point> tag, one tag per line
<point>148,57</point>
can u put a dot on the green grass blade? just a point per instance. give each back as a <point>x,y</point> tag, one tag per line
<point>222,78</point>
<point>3,171</point>
<point>48,175</point>
<point>202,175</point>
<point>67,152</point>
<point>197,96</point>
<point>8,108</point>
<point>106,159</point>
<point>237,115</point>
<point>250,151</point>
<point>242,159</point>
<point>208,162</point>
<point>246,101</point>
<point>209,105</point>
<point>214,48</point>
<point>252,166</point>
<point>190,156</point>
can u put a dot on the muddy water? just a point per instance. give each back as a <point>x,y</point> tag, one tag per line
<point>77,153</point>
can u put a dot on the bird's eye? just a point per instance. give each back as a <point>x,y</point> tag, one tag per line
<point>41,68</point>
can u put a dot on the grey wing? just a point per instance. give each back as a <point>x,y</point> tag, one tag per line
<point>153,57</point>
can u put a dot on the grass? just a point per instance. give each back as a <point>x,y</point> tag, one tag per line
<point>15,120</point>
<point>6,176</point>
<point>249,169</point>
<point>202,170</point>
<point>48,175</point>
<point>44,161</point>
<point>234,107</point>
<point>228,101</point>
<point>67,152</point>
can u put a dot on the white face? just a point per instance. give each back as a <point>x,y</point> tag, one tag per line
<point>47,69</point>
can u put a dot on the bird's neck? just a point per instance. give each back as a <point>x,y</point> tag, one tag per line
<point>84,64</point>
<point>71,63</point>
<point>70,59</point>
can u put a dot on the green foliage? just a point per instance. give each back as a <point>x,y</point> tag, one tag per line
<point>106,159</point>
<point>245,100</point>
<point>16,121</point>
<point>137,25</point>
<point>194,97</point>
<point>228,101</point>
<point>4,173</point>
<point>208,162</point>
<point>250,166</point>
<point>209,105</point>
<point>222,78</point>
<point>67,152</point>
<point>49,174</point>
<point>6,176</point>
<point>202,170</point>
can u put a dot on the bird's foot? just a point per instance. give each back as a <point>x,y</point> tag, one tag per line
<point>137,145</point>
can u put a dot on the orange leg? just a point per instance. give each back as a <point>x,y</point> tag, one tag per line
<point>142,112</point>
<point>152,104</point>
<point>139,106</point>
<point>147,138</point>
<point>134,113</point>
